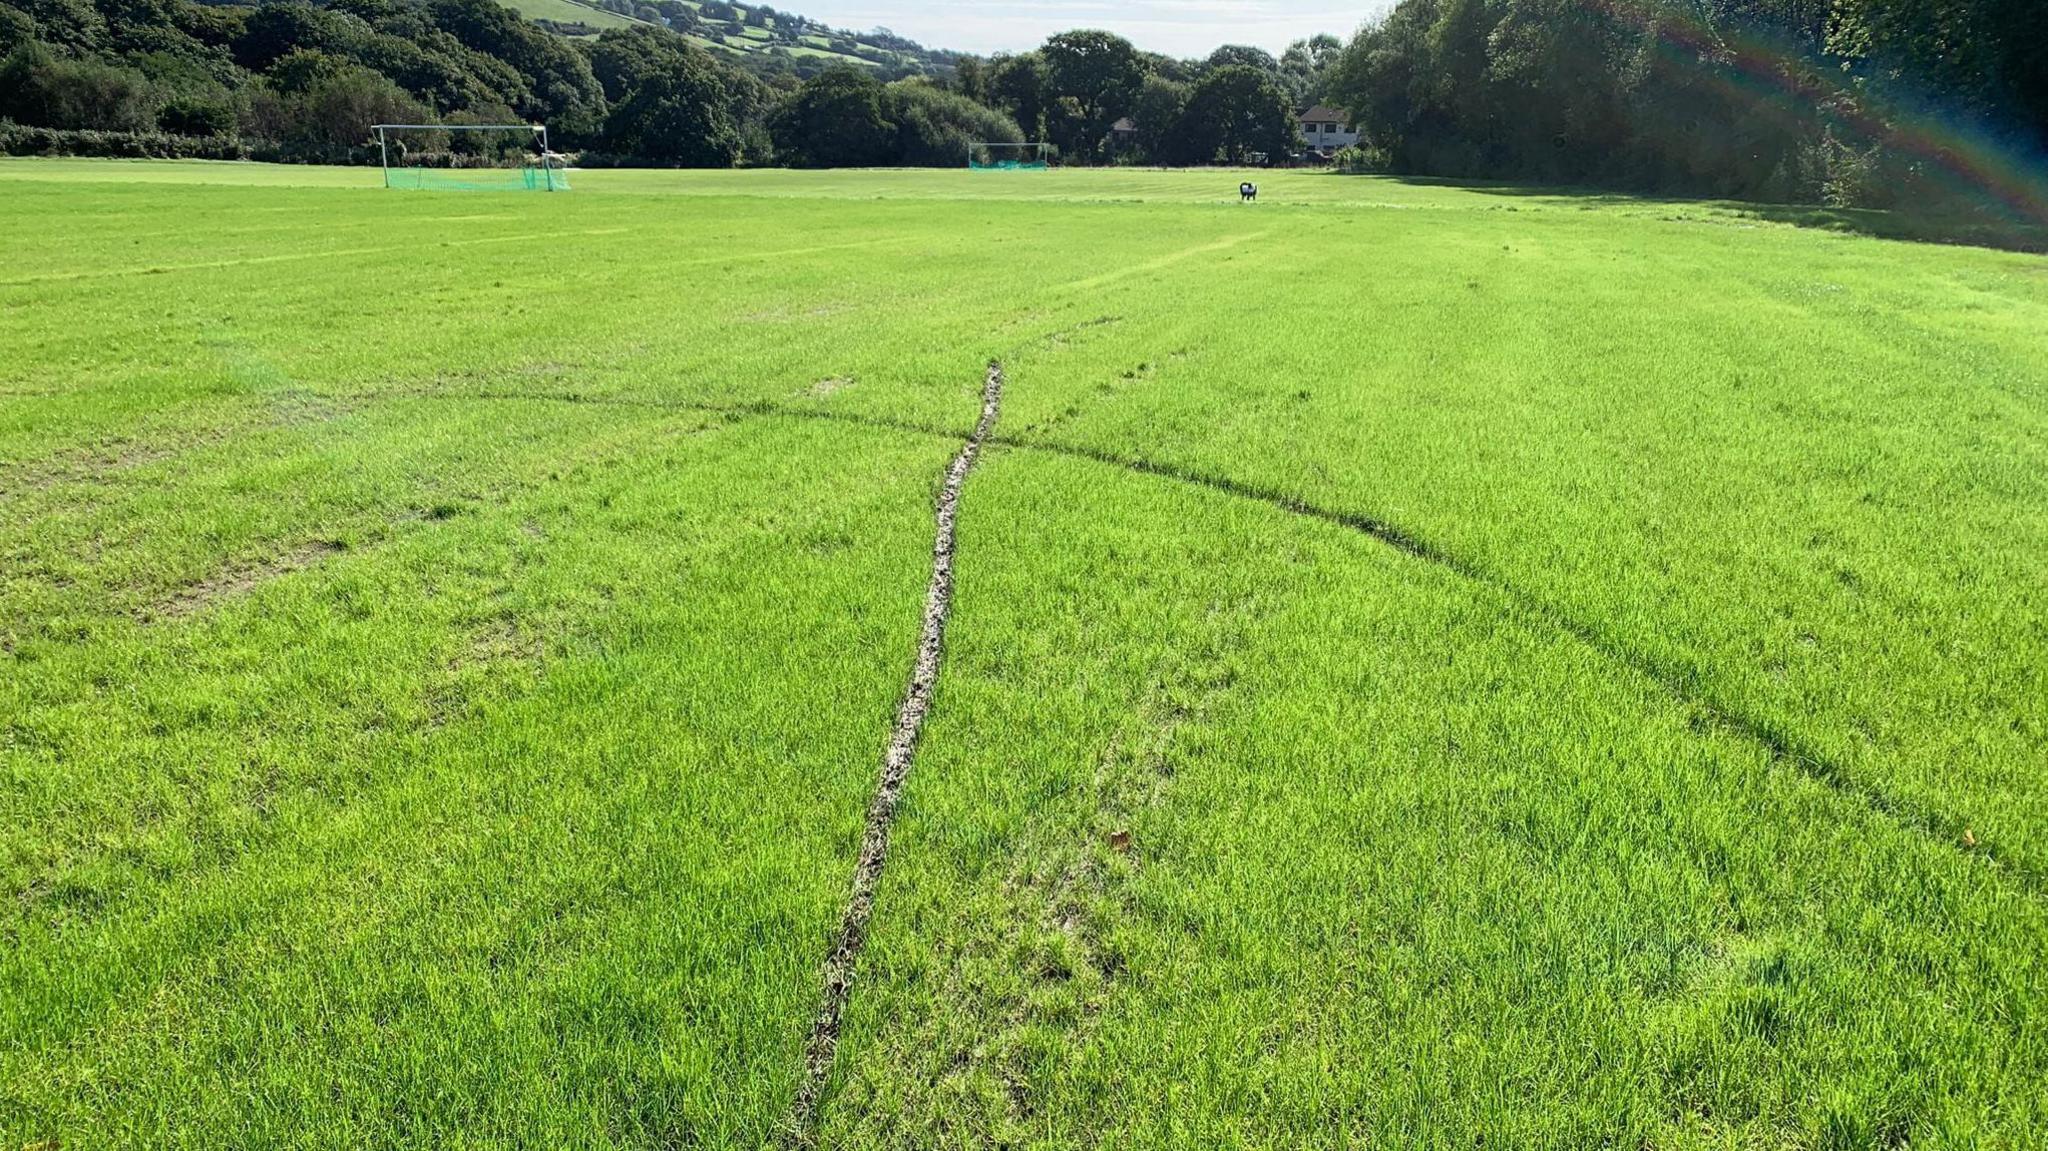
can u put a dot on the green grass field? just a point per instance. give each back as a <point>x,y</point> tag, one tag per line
<point>570,12</point>
<point>1428,665</point>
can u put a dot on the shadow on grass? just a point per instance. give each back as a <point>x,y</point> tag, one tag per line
<point>1981,232</point>
<point>1987,230</point>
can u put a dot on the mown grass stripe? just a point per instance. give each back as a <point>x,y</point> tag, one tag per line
<point>840,962</point>
<point>293,257</point>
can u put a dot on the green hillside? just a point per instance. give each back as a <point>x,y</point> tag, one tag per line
<point>571,12</point>
<point>743,32</point>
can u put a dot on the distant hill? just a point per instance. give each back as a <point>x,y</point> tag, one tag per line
<point>759,37</point>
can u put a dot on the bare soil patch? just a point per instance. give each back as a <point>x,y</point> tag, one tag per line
<point>240,580</point>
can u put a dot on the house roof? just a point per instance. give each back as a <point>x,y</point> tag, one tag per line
<point>1125,124</point>
<point>1321,112</point>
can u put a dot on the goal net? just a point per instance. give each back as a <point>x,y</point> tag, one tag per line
<point>470,157</point>
<point>1030,156</point>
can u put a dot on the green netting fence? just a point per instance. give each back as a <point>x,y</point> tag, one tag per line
<point>527,179</point>
<point>469,157</point>
<point>1028,157</point>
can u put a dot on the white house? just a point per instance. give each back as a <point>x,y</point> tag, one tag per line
<point>1326,130</point>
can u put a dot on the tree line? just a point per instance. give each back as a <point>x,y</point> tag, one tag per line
<point>1855,102</point>
<point>296,80</point>
<point>1864,102</point>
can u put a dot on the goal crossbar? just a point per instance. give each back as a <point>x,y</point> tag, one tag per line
<point>546,176</point>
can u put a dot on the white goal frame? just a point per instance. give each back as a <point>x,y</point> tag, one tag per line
<point>1031,154</point>
<point>548,157</point>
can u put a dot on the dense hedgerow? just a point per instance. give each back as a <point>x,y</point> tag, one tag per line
<point>23,140</point>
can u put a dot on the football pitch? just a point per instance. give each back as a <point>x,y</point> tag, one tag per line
<point>1395,664</point>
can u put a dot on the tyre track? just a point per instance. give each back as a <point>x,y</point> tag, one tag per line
<point>1682,683</point>
<point>841,961</point>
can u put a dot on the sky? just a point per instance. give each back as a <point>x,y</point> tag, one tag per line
<point>1174,27</point>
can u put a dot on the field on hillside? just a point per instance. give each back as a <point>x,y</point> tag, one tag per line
<point>1426,666</point>
<point>571,12</point>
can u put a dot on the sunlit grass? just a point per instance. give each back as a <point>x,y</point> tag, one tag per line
<point>447,643</point>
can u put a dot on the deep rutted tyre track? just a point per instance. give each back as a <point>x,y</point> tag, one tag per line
<point>842,960</point>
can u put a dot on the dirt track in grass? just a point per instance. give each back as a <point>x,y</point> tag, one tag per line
<point>840,963</point>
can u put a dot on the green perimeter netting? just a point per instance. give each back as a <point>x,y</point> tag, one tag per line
<point>469,157</point>
<point>1008,157</point>
<point>528,179</point>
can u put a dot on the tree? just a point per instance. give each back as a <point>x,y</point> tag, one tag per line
<point>37,88</point>
<point>622,57</point>
<point>1655,94</point>
<point>1157,112</point>
<point>934,127</point>
<point>329,119</point>
<point>297,71</point>
<point>274,31</point>
<point>1018,85</point>
<point>970,79</point>
<point>1092,78</point>
<point>1169,68</point>
<point>557,75</point>
<point>1554,70</point>
<point>681,112</point>
<point>836,120</point>
<point>73,26</point>
<point>196,116</point>
<point>1242,56</point>
<point>1305,64</point>
<point>1986,57</point>
<point>17,29</point>
<point>1233,113</point>
<point>1415,84</point>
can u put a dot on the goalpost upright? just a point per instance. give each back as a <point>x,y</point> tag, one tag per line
<point>545,177</point>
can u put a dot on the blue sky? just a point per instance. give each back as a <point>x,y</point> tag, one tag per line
<point>1175,27</point>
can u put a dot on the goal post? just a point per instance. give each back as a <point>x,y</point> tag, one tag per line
<point>470,157</point>
<point>1031,155</point>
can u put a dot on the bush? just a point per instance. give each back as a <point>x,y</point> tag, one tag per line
<point>682,114</point>
<point>1234,113</point>
<point>196,116</point>
<point>329,120</point>
<point>934,127</point>
<point>26,140</point>
<point>836,120</point>
<point>1356,160</point>
<point>37,88</point>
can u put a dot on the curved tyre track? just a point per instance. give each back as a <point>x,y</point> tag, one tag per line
<point>1785,747</point>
